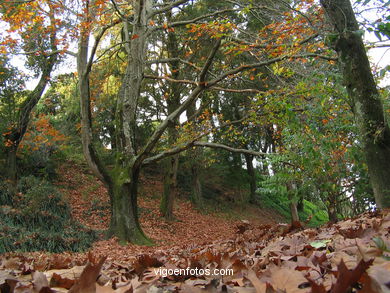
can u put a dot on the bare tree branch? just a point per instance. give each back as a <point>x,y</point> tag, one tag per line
<point>229,149</point>
<point>265,63</point>
<point>188,144</point>
<point>123,17</point>
<point>194,20</point>
<point>209,60</point>
<point>168,7</point>
<point>167,60</point>
<point>215,88</point>
<point>96,44</point>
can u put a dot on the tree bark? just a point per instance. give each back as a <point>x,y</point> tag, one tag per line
<point>11,169</point>
<point>252,178</point>
<point>193,157</point>
<point>168,197</point>
<point>332,208</point>
<point>291,191</point>
<point>367,105</point>
<point>125,219</point>
<point>173,102</point>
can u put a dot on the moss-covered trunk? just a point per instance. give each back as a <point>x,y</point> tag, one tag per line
<point>361,86</point>
<point>124,218</point>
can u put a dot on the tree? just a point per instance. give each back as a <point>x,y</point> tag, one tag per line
<point>40,34</point>
<point>122,179</point>
<point>363,92</point>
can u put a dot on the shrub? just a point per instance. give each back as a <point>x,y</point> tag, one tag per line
<point>38,218</point>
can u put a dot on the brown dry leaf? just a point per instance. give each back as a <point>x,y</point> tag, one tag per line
<point>346,278</point>
<point>144,262</point>
<point>259,286</point>
<point>8,285</point>
<point>59,261</point>
<point>340,256</point>
<point>288,280</point>
<point>368,286</point>
<point>104,289</point>
<point>11,263</point>
<point>87,281</point>
<point>190,289</point>
<point>380,276</point>
<point>23,288</point>
<point>61,281</point>
<point>125,289</point>
<point>40,282</point>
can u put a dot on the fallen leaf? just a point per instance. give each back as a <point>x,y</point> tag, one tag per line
<point>87,281</point>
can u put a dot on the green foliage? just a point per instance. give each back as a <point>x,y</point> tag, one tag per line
<point>277,200</point>
<point>39,218</point>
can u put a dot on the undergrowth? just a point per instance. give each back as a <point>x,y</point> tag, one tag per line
<point>37,217</point>
<point>281,203</point>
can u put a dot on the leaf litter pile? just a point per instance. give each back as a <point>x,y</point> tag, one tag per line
<point>350,256</point>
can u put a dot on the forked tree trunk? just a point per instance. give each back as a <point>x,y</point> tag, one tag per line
<point>125,219</point>
<point>361,86</point>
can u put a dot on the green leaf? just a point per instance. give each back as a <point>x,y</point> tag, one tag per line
<point>380,243</point>
<point>320,244</point>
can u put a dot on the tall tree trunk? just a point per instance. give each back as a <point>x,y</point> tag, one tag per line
<point>368,108</point>
<point>193,157</point>
<point>252,178</point>
<point>173,102</point>
<point>125,221</point>
<point>122,182</point>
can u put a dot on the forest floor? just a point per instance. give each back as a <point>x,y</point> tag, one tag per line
<point>89,202</point>
<point>264,254</point>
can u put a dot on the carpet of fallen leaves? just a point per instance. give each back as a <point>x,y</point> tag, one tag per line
<point>90,206</point>
<point>350,256</point>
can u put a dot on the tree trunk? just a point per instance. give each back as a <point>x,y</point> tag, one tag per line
<point>332,209</point>
<point>11,166</point>
<point>168,198</point>
<point>173,102</point>
<point>193,157</point>
<point>291,191</point>
<point>124,219</point>
<point>368,108</point>
<point>196,192</point>
<point>252,178</point>
<point>17,132</point>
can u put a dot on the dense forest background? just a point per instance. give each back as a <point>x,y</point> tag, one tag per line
<point>232,103</point>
